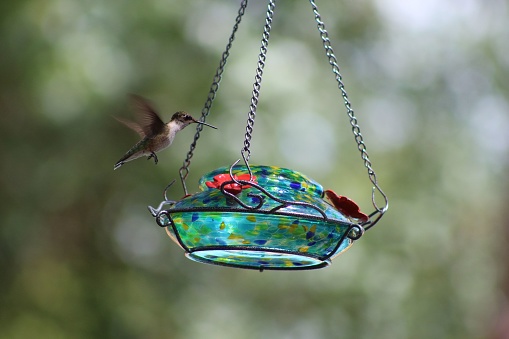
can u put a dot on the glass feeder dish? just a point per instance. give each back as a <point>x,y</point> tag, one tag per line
<point>275,219</point>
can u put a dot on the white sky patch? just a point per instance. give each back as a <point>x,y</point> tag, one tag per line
<point>101,65</point>
<point>489,126</point>
<point>137,241</point>
<point>290,70</point>
<point>431,15</point>
<point>86,58</point>
<point>307,142</point>
<point>211,25</point>
<point>390,121</point>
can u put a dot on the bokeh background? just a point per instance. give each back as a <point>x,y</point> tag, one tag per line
<point>81,257</point>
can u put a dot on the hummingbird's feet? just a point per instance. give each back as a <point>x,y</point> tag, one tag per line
<point>153,155</point>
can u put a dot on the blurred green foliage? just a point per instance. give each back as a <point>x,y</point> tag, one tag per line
<point>81,257</point>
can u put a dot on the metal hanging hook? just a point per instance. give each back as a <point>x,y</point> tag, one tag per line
<point>246,162</point>
<point>165,196</point>
<point>376,188</point>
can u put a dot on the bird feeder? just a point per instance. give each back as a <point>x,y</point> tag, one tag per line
<point>266,217</point>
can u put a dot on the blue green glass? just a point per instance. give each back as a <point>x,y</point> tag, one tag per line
<point>214,228</point>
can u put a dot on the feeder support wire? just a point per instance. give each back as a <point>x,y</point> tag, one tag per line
<point>329,52</point>
<point>184,170</point>
<point>246,153</point>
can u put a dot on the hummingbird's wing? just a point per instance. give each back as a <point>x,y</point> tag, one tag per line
<point>132,125</point>
<point>148,120</point>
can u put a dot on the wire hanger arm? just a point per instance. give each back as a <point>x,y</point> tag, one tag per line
<point>359,139</point>
<point>184,170</point>
<point>246,152</point>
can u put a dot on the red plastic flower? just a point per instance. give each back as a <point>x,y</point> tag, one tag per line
<point>346,206</point>
<point>232,188</point>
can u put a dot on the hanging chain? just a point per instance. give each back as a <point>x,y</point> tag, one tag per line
<point>246,153</point>
<point>184,170</point>
<point>324,35</point>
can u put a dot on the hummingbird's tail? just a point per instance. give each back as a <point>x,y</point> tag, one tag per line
<point>130,155</point>
<point>118,164</point>
<point>138,151</point>
<point>122,160</point>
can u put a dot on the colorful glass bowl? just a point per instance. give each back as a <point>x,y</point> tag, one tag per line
<point>276,219</point>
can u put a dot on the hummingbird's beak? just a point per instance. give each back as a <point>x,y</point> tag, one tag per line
<point>203,123</point>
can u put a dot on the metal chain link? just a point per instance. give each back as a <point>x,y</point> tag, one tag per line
<point>324,35</point>
<point>184,170</point>
<point>246,152</point>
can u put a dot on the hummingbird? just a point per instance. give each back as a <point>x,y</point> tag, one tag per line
<point>156,135</point>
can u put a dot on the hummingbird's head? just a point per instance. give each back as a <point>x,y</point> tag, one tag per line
<point>182,119</point>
